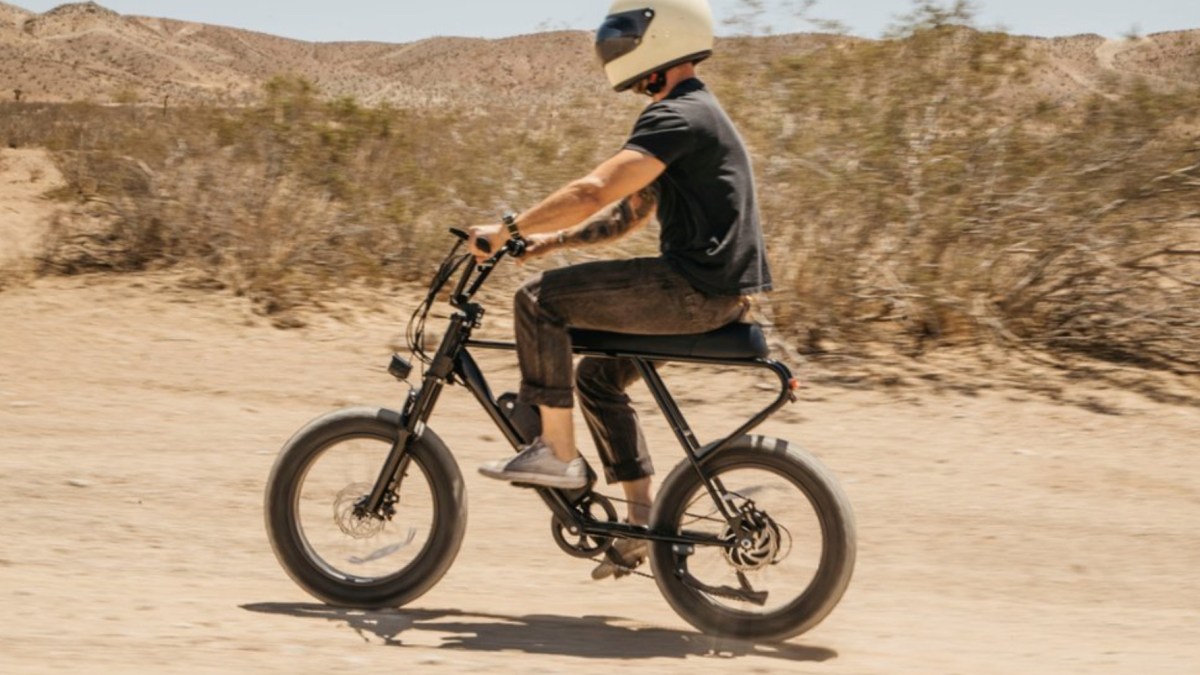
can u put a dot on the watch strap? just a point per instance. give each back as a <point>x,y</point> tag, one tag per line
<point>510,224</point>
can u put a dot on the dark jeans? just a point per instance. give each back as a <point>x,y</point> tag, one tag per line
<point>643,296</point>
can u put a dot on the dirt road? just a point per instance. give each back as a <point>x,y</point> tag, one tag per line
<point>999,532</point>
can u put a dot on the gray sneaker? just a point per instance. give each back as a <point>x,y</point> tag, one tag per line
<point>537,465</point>
<point>631,551</point>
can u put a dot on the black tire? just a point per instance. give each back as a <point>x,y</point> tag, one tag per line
<point>433,472</point>
<point>828,516</point>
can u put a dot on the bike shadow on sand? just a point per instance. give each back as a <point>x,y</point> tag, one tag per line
<point>543,634</point>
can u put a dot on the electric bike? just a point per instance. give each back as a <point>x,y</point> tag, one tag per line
<point>749,537</point>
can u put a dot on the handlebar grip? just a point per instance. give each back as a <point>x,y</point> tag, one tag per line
<point>516,247</point>
<point>482,244</point>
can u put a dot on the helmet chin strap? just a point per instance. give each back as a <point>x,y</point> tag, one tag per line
<point>654,84</point>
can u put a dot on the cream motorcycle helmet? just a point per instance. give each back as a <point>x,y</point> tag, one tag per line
<point>642,37</point>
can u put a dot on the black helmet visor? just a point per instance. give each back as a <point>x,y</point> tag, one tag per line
<point>622,33</point>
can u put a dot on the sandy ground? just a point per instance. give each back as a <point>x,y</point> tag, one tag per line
<point>999,531</point>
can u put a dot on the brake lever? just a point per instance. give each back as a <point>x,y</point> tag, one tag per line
<point>514,247</point>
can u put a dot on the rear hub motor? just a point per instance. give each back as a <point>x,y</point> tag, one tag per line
<point>757,548</point>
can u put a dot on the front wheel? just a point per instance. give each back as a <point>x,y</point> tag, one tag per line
<point>794,557</point>
<point>329,545</point>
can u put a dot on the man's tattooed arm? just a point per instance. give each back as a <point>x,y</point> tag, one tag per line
<point>617,221</point>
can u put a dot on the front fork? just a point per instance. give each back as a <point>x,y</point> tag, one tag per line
<point>387,485</point>
<point>417,410</point>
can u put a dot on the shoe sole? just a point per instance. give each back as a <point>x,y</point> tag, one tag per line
<point>536,479</point>
<point>608,568</point>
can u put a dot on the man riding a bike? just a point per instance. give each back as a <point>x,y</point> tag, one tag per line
<point>684,163</point>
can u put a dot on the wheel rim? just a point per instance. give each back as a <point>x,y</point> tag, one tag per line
<point>782,553</point>
<point>346,546</point>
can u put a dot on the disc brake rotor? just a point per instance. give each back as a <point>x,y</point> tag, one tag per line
<point>758,549</point>
<point>348,516</point>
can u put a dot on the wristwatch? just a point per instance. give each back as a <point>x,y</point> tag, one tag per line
<point>510,224</point>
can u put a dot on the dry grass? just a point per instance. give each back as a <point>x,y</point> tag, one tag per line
<point>283,200</point>
<point>924,200</point>
<point>918,193</point>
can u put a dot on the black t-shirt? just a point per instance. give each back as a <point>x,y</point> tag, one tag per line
<point>706,199</point>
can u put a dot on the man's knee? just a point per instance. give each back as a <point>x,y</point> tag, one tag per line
<point>526,298</point>
<point>597,380</point>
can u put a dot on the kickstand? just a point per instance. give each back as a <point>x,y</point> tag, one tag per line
<point>746,593</point>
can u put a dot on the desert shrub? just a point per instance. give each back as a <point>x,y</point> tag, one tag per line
<point>293,196</point>
<point>915,197</point>
<point>914,193</point>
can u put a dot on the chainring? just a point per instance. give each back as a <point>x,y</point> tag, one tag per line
<point>573,541</point>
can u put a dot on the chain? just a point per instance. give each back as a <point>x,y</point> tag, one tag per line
<point>630,570</point>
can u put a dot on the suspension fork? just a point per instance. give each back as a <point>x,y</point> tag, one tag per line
<point>417,410</point>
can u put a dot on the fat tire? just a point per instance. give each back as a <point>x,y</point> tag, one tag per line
<point>837,555</point>
<point>446,484</point>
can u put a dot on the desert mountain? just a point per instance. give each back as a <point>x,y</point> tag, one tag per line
<point>84,51</point>
<point>10,15</point>
<point>87,52</point>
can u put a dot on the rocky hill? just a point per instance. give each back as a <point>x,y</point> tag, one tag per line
<point>86,52</point>
<point>10,15</point>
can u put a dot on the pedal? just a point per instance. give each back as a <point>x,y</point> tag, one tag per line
<point>624,565</point>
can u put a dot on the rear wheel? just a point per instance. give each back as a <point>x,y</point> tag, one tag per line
<point>325,540</point>
<point>797,547</point>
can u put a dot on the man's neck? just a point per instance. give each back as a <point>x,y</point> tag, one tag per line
<point>676,75</point>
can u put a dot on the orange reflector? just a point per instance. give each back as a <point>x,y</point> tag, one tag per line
<point>794,383</point>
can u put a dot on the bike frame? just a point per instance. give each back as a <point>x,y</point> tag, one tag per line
<point>454,364</point>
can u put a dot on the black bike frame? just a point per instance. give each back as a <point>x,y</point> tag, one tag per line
<point>646,362</point>
<point>454,364</point>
